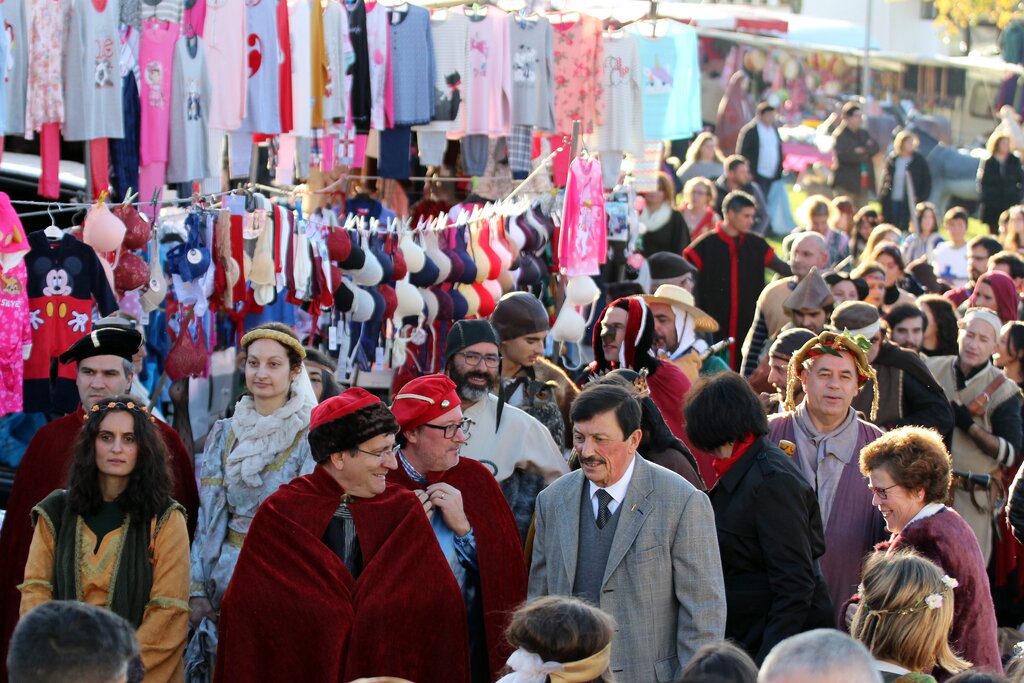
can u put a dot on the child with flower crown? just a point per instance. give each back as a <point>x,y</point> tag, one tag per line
<point>904,617</point>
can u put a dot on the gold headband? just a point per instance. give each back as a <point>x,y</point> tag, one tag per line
<point>584,670</point>
<point>281,338</point>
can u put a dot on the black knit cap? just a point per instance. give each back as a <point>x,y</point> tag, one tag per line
<point>518,314</point>
<point>465,333</point>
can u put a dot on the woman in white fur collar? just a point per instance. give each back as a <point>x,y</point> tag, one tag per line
<point>248,456</point>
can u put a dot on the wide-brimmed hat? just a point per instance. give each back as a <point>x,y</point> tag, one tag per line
<point>678,297</point>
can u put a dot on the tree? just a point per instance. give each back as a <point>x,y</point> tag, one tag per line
<point>954,16</point>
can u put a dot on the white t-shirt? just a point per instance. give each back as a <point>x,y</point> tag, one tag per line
<point>950,263</point>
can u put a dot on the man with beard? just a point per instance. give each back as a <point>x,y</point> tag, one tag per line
<point>517,449</point>
<point>908,395</point>
<point>907,323</point>
<point>471,520</point>
<point>677,324</point>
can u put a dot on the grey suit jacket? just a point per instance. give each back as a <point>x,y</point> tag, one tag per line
<point>663,582</point>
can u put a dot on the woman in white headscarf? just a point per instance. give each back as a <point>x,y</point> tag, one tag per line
<point>248,456</point>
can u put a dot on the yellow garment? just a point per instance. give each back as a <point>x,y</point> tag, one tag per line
<point>164,627</point>
<point>318,62</point>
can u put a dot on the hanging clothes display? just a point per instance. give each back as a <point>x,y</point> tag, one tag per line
<point>412,59</point>
<point>302,85</point>
<point>338,48</point>
<point>532,54</point>
<point>65,279</point>
<point>225,33</point>
<point>190,98</point>
<point>317,64</point>
<point>450,30</point>
<point>284,70</point>
<point>16,81</point>
<point>92,82</point>
<point>621,132</point>
<point>262,115</point>
<point>583,238</point>
<point>489,87</point>
<point>156,63</point>
<point>671,80</point>
<point>361,100</point>
<point>16,332</point>
<point>578,73</point>
<point>377,34</point>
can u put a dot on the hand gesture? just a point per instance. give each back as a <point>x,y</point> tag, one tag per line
<point>448,501</point>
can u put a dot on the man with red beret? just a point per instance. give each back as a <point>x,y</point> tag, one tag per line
<point>472,521</point>
<point>333,562</point>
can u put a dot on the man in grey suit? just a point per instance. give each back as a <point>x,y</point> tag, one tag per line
<point>634,539</point>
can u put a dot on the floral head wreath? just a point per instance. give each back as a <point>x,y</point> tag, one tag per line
<point>99,410</point>
<point>833,344</point>
<point>931,601</point>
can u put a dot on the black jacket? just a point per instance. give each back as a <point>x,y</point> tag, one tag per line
<point>848,162</point>
<point>1000,187</point>
<point>920,175</point>
<point>672,237</point>
<point>748,145</point>
<point>761,221</point>
<point>770,537</point>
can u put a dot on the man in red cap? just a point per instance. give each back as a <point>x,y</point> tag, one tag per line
<point>334,558</point>
<point>104,369</point>
<point>472,521</point>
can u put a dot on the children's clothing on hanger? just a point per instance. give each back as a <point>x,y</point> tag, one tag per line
<point>583,237</point>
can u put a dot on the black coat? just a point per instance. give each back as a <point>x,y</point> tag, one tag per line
<point>999,187</point>
<point>770,537</point>
<point>748,145</point>
<point>920,176</point>
<point>848,162</point>
<point>672,237</point>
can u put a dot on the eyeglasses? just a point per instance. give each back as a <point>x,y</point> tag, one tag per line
<point>880,492</point>
<point>382,453</point>
<point>472,359</point>
<point>449,430</point>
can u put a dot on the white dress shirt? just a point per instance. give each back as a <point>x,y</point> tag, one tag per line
<point>617,490</point>
<point>768,150</point>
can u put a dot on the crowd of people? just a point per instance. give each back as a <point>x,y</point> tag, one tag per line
<point>811,479</point>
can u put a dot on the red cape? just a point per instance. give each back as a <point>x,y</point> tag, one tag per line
<point>499,552</point>
<point>44,468</point>
<point>293,611</point>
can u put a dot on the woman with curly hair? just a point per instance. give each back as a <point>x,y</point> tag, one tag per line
<point>904,617</point>
<point>248,456</point>
<point>115,538</point>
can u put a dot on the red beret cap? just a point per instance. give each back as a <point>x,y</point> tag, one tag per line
<point>424,399</point>
<point>337,407</point>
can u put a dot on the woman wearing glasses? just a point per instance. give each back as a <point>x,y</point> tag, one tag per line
<point>909,470</point>
<point>248,457</point>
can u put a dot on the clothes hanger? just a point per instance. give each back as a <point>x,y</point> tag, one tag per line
<point>53,233</point>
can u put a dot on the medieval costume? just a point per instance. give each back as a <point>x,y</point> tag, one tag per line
<point>730,280</point>
<point>907,392</point>
<point>488,562</point>
<point>327,571</point>
<point>994,402</point>
<point>45,466</point>
<point>248,456</point>
<point>691,325</point>
<point>136,568</point>
<point>667,383</point>
<point>830,462</point>
<point>942,535</point>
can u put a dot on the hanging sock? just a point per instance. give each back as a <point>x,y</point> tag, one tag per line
<point>49,159</point>
<point>99,166</point>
